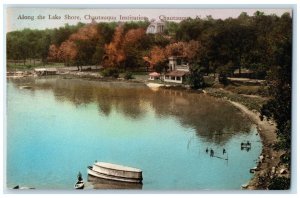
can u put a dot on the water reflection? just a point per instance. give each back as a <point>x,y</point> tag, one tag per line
<point>214,120</point>
<point>98,183</point>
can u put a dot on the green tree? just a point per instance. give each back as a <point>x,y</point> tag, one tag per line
<point>195,78</point>
<point>280,84</point>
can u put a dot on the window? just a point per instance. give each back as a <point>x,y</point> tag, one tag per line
<point>173,78</point>
<point>178,78</point>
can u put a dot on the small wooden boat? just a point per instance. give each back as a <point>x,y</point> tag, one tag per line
<point>244,186</point>
<point>79,185</point>
<point>115,172</point>
<point>252,170</point>
<point>22,187</point>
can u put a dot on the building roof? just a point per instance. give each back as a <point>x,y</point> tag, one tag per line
<point>154,74</point>
<point>177,73</point>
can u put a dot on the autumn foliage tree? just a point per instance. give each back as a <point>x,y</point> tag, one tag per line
<point>125,48</point>
<point>114,55</point>
<point>53,53</point>
<point>186,50</point>
<point>133,48</point>
<point>159,55</point>
<point>67,52</point>
<point>78,49</point>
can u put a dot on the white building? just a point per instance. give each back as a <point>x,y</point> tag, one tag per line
<point>175,76</point>
<point>178,70</point>
<point>156,27</point>
<point>178,63</point>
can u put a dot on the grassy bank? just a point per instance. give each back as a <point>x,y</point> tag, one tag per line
<point>251,102</point>
<point>29,66</point>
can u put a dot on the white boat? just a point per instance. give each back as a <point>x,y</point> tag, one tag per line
<point>115,172</point>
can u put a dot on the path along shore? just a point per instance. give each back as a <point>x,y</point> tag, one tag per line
<point>269,165</point>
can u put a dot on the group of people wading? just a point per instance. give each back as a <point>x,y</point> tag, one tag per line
<point>212,152</point>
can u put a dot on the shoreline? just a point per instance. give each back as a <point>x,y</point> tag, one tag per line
<point>268,163</point>
<point>269,159</point>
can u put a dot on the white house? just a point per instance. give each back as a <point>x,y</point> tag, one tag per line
<point>175,76</point>
<point>178,70</point>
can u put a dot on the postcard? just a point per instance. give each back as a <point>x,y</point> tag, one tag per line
<point>148,99</point>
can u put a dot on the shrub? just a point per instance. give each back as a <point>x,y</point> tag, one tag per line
<point>223,79</point>
<point>128,75</point>
<point>280,183</point>
<point>110,72</point>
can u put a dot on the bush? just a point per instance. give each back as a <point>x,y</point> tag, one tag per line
<point>223,79</point>
<point>28,66</point>
<point>128,75</point>
<point>286,158</point>
<point>280,183</point>
<point>110,72</point>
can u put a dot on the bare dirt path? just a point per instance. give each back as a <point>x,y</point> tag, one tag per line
<point>271,158</point>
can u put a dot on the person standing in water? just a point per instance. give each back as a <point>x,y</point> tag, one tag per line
<point>211,153</point>
<point>224,151</point>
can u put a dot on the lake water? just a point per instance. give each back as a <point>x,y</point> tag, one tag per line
<point>57,127</point>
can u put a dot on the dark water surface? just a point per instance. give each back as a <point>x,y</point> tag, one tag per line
<point>57,127</point>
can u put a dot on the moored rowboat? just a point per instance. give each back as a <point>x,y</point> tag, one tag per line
<point>115,172</point>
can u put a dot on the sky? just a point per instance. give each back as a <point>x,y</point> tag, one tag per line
<point>18,18</point>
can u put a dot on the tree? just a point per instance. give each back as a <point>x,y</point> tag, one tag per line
<point>126,48</point>
<point>279,79</point>
<point>53,53</point>
<point>171,28</point>
<point>67,52</point>
<point>133,47</point>
<point>114,55</point>
<point>189,29</point>
<point>99,52</point>
<point>195,78</point>
<point>156,57</point>
<point>43,46</point>
<point>187,50</point>
<point>80,47</point>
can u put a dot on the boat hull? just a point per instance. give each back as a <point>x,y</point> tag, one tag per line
<point>79,185</point>
<point>99,183</point>
<point>106,175</point>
